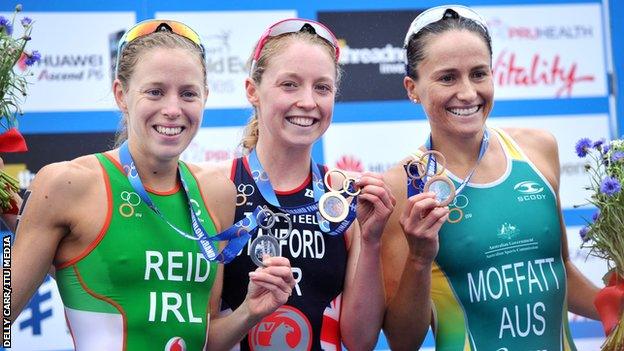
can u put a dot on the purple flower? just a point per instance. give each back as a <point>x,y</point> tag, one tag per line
<point>582,147</point>
<point>606,148</point>
<point>35,56</point>
<point>26,21</point>
<point>610,186</point>
<point>6,25</point>
<point>617,155</point>
<point>596,215</point>
<point>583,233</point>
<point>598,143</point>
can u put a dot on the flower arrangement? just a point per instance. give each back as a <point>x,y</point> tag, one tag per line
<point>12,93</point>
<point>603,235</point>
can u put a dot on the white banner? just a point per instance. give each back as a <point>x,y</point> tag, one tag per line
<point>214,145</point>
<point>74,73</point>
<point>547,51</point>
<point>229,37</point>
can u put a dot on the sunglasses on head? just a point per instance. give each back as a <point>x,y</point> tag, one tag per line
<point>437,13</point>
<point>156,25</point>
<point>294,25</point>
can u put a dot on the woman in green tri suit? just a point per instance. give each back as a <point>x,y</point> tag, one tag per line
<point>491,270</point>
<point>130,275</point>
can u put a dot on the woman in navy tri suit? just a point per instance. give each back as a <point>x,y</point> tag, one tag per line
<point>338,298</point>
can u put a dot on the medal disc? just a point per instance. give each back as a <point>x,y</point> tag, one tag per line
<point>333,207</point>
<point>264,245</point>
<point>443,188</point>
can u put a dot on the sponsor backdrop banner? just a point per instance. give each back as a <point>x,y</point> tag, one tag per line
<point>228,37</point>
<point>550,66</point>
<point>536,54</point>
<point>371,52</point>
<point>74,73</point>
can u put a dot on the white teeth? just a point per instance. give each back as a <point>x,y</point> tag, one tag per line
<point>169,130</point>
<point>301,121</point>
<point>464,111</point>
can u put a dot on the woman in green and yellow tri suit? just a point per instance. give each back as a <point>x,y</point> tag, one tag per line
<point>491,270</point>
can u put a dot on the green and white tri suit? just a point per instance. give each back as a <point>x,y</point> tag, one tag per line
<point>140,285</point>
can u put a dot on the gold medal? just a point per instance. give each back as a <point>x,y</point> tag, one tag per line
<point>333,205</point>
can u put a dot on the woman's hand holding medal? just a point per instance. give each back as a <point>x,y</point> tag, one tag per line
<point>375,205</point>
<point>427,174</point>
<point>270,286</point>
<point>426,211</point>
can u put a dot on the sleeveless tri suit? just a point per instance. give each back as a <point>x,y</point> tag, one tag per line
<point>499,281</point>
<point>140,285</point>
<point>310,318</point>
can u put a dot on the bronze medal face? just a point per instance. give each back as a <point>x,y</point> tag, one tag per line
<point>443,188</point>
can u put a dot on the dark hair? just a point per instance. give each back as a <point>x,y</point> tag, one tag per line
<point>451,20</point>
<point>130,57</point>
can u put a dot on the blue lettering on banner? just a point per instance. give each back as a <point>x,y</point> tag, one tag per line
<point>36,314</point>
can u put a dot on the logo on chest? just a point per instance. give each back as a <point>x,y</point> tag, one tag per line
<point>131,201</point>
<point>285,329</point>
<point>529,191</point>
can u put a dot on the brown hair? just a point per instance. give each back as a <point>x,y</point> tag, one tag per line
<point>131,54</point>
<point>273,47</point>
<point>415,49</point>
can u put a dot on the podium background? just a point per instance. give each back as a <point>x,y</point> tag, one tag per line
<point>555,65</point>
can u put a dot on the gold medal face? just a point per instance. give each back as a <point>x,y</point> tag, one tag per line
<point>333,207</point>
<point>443,188</point>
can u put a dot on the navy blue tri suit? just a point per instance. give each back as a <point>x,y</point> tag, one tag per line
<point>310,318</point>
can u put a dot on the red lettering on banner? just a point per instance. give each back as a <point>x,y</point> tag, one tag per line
<point>216,155</point>
<point>522,32</point>
<point>508,72</point>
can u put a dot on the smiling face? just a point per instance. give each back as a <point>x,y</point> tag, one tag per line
<point>164,102</point>
<point>295,99</point>
<point>454,82</point>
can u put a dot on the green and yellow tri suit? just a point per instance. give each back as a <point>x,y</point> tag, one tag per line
<point>140,285</point>
<point>498,281</point>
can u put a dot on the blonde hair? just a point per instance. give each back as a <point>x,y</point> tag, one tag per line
<point>273,47</point>
<point>131,54</point>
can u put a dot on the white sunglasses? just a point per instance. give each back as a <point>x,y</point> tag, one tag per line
<point>435,14</point>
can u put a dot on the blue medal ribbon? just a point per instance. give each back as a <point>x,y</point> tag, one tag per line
<point>414,189</point>
<point>237,235</point>
<point>261,178</point>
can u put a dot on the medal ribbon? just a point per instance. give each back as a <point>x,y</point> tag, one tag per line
<point>237,235</point>
<point>432,167</point>
<point>261,178</point>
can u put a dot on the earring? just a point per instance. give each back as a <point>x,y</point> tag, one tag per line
<point>416,101</point>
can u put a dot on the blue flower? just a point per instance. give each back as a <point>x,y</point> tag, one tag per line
<point>26,21</point>
<point>583,233</point>
<point>596,215</point>
<point>606,148</point>
<point>617,155</point>
<point>35,56</point>
<point>598,144</point>
<point>610,186</point>
<point>582,147</point>
<point>6,25</point>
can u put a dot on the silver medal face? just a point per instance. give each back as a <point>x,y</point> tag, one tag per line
<point>264,245</point>
<point>333,207</point>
